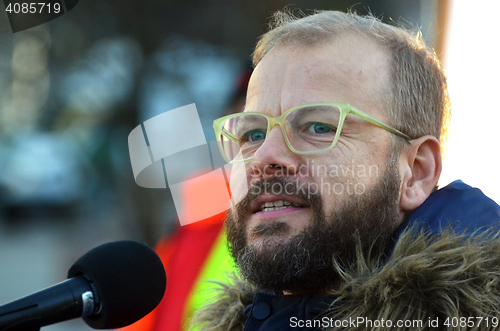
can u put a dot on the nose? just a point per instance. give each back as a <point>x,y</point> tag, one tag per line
<point>274,158</point>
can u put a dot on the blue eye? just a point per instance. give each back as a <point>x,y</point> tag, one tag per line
<point>255,135</point>
<point>319,128</point>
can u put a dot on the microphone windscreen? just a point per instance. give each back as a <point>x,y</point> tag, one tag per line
<point>129,278</point>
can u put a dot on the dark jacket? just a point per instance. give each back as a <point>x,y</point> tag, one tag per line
<point>443,273</point>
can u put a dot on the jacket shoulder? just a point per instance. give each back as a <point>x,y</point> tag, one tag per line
<point>428,276</point>
<point>225,310</point>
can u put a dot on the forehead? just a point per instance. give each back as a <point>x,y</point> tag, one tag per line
<point>350,68</point>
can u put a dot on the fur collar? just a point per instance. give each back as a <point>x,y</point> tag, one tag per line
<point>428,276</point>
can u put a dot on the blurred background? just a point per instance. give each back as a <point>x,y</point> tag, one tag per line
<point>71,90</point>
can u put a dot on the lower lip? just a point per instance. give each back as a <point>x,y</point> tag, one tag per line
<point>272,214</point>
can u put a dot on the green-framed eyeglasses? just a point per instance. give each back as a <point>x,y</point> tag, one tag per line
<point>307,129</point>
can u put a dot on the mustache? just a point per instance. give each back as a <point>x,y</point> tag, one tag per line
<point>282,186</point>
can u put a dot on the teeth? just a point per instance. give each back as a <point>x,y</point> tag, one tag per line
<point>277,208</point>
<point>277,205</point>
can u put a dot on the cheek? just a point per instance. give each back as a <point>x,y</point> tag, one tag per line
<point>331,167</point>
<point>363,162</point>
<point>373,161</point>
<point>339,178</point>
<point>238,182</point>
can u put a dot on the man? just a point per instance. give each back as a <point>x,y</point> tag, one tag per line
<point>335,219</point>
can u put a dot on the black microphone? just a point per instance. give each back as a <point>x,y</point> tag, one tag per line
<point>111,286</point>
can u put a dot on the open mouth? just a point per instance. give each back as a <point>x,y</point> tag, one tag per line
<point>270,203</point>
<point>277,205</point>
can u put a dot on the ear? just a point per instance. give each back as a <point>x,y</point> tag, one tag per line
<point>420,168</point>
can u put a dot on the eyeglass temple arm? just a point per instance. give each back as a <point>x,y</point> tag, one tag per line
<point>395,131</point>
<point>229,135</point>
<point>378,123</point>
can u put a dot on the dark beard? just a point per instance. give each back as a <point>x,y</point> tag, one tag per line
<point>305,262</point>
